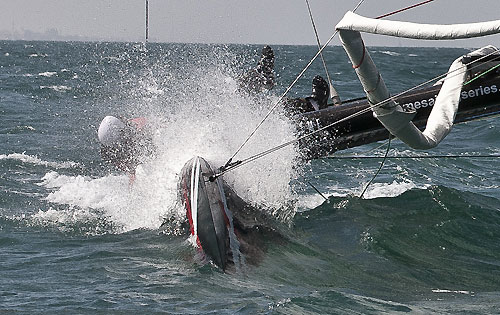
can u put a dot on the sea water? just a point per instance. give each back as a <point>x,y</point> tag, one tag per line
<point>76,237</point>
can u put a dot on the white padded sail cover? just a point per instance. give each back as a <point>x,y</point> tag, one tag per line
<point>390,114</point>
<point>355,22</point>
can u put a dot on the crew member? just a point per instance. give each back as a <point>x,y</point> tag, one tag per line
<point>125,143</point>
<point>262,76</point>
<point>318,99</point>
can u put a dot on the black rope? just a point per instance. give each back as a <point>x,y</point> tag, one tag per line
<point>403,9</point>
<point>319,47</point>
<point>319,192</point>
<point>379,169</point>
<point>355,157</point>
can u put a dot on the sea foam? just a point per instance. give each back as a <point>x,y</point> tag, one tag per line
<point>202,114</point>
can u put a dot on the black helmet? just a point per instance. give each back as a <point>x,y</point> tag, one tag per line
<point>320,90</point>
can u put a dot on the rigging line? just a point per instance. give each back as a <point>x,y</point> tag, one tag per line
<point>482,74</point>
<point>319,192</point>
<point>481,156</point>
<point>355,157</point>
<point>379,169</point>
<point>358,5</point>
<point>147,21</point>
<point>409,157</point>
<point>286,91</point>
<point>230,166</point>
<point>332,93</point>
<point>404,9</point>
<point>361,153</point>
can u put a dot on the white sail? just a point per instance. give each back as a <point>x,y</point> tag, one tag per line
<point>390,114</point>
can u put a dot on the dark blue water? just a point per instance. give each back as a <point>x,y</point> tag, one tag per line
<point>76,238</point>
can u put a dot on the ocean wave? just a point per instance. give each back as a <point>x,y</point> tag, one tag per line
<point>24,158</point>
<point>38,55</point>
<point>375,190</point>
<point>467,292</point>
<point>18,129</point>
<point>73,220</point>
<point>394,189</point>
<point>47,74</point>
<point>390,53</point>
<point>314,199</point>
<point>57,88</point>
<point>128,208</point>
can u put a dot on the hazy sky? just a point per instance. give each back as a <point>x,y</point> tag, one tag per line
<point>232,21</point>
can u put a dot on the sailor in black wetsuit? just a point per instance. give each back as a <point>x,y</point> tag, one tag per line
<point>125,143</point>
<point>261,77</point>
<point>318,99</point>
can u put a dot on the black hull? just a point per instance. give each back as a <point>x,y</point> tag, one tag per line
<point>204,202</point>
<point>480,99</point>
<point>224,226</point>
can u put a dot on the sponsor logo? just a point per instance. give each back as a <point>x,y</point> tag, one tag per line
<point>473,93</point>
<point>419,104</point>
<point>480,91</point>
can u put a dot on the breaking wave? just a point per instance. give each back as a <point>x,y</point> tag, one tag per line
<point>30,159</point>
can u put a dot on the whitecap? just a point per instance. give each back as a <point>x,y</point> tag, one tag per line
<point>314,199</point>
<point>37,161</point>
<point>38,55</point>
<point>57,88</point>
<point>47,74</point>
<point>390,53</point>
<point>466,292</point>
<point>394,189</point>
<point>84,221</point>
<point>127,208</point>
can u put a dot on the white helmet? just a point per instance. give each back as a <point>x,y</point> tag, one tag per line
<point>110,130</point>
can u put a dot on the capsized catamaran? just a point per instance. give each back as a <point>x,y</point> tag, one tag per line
<point>436,108</point>
<point>353,123</point>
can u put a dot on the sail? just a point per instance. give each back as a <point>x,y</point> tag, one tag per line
<point>390,114</point>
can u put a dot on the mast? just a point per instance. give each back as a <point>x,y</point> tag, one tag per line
<point>147,20</point>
